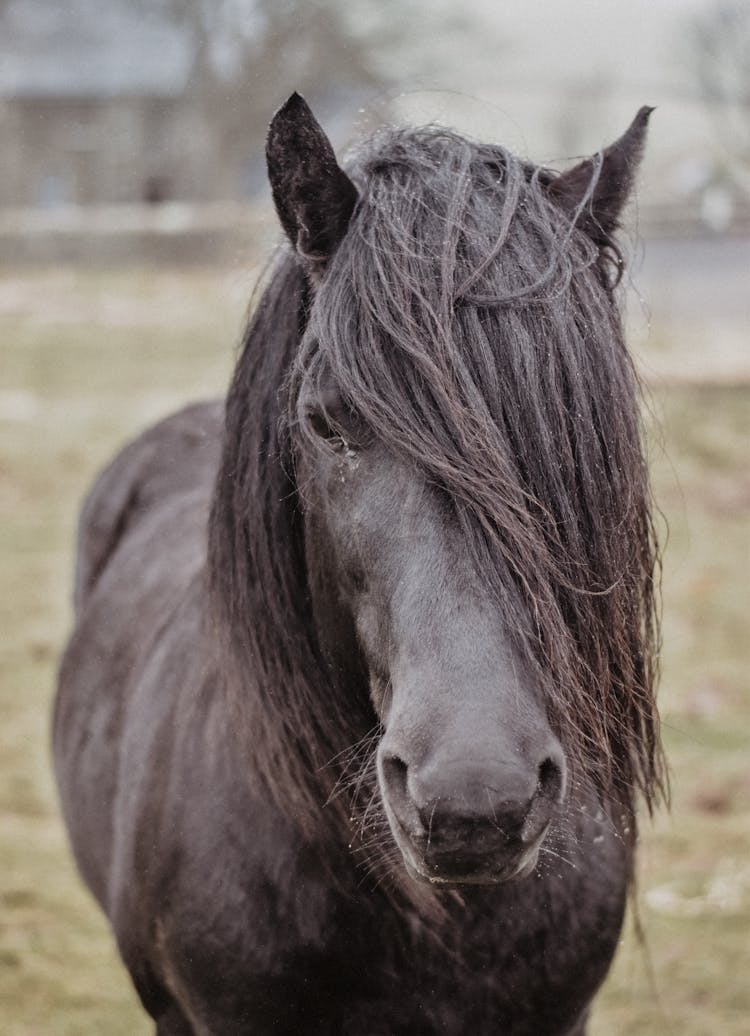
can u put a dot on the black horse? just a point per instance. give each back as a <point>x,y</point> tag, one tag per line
<point>359,702</point>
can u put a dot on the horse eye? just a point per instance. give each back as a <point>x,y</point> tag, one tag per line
<point>324,429</point>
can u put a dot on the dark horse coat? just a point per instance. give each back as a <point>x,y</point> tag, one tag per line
<point>360,693</point>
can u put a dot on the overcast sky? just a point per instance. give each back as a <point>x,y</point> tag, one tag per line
<point>560,77</point>
<point>550,78</point>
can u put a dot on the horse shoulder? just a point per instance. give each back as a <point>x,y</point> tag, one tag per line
<point>150,504</point>
<point>179,453</point>
<point>218,904</point>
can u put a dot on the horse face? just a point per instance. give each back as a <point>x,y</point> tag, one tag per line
<point>469,770</point>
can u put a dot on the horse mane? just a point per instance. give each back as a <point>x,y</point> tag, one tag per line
<point>473,328</point>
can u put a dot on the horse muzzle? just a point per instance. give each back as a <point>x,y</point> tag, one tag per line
<point>471,824</point>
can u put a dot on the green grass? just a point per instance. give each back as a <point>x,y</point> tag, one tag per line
<point>90,358</point>
<point>695,860</point>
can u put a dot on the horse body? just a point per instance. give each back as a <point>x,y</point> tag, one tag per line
<point>216,900</point>
<point>466,873</point>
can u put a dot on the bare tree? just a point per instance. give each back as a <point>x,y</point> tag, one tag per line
<point>248,55</point>
<point>720,46</point>
<point>245,58</point>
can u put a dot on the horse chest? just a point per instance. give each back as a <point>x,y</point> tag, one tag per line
<point>299,959</point>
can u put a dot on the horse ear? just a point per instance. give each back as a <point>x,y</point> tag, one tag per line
<point>597,208</point>
<point>314,198</point>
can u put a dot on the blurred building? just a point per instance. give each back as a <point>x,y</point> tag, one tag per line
<point>121,102</point>
<point>92,107</point>
<point>126,101</point>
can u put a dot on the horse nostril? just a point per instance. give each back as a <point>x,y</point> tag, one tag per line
<point>394,774</point>
<point>551,779</point>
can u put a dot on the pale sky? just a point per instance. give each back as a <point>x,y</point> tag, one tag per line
<point>561,77</point>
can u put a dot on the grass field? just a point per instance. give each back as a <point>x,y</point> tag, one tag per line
<point>90,358</point>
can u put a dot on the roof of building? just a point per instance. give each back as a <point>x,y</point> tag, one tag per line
<point>90,48</point>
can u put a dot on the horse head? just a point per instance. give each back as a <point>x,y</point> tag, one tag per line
<point>470,769</point>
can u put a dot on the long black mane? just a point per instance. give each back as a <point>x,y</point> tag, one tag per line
<point>471,324</point>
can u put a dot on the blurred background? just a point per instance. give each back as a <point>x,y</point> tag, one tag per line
<point>134,219</point>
